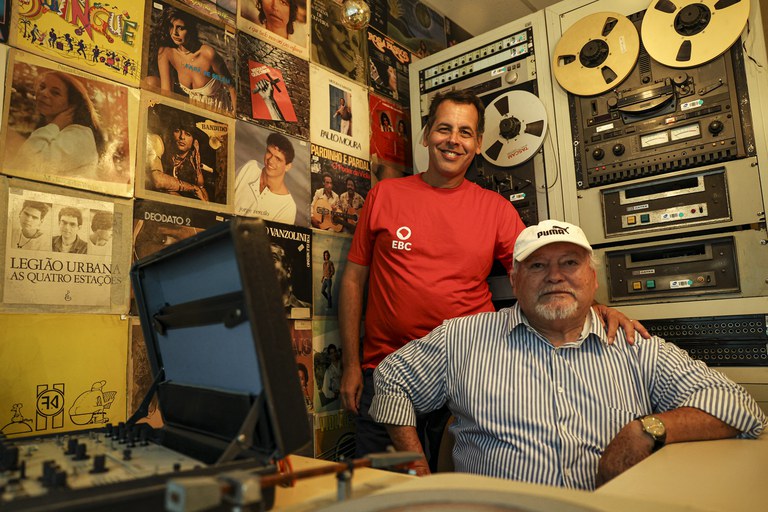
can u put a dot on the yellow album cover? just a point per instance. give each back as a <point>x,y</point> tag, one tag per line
<point>103,38</point>
<point>67,127</point>
<point>335,436</point>
<point>61,373</point>
<point>187,155</point>
<point>62,250</point>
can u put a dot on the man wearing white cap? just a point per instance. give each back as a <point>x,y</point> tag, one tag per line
<point>539,395</point>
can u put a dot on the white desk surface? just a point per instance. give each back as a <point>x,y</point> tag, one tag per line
<point>729,475</point>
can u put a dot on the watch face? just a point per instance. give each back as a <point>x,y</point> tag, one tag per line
<point>653,426</point>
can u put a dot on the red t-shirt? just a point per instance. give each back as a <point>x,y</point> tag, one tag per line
<point>429,251</point>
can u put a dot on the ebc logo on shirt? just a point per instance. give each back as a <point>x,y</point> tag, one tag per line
<point>403,234</point>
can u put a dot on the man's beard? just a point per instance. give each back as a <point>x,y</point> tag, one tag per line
<point>557,311</point>
<point>563,312</point>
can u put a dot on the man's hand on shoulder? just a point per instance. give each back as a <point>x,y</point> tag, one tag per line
<point>613,319</point>
<point>627,448</point>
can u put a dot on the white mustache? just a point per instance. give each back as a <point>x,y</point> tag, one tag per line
<point>546,291</point>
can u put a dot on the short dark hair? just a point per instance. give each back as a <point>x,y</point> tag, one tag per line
<point>43,208</point>
<point>303,369</point>
<point>70,211</point>
<point>293,10</point>
<point>327,175</point>
<point>349,178</point>
<point>101,220</point>
<point>282,143</point>
<point>462,97</point>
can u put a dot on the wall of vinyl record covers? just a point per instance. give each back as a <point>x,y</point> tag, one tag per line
<point>128,126</point>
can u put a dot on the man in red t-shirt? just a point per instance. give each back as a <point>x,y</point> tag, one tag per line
<point>425,245</point>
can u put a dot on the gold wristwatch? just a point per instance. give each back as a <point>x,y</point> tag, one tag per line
<point>654,427</point>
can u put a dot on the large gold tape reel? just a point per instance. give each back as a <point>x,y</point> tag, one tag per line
<point>596,54</point>
<point>686,33</point>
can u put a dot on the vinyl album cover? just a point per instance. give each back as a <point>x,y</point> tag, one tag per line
<point>63,250</point>
<point>335,436</point>
<point>139,377</point>
<point>326,343</point>
<point>67,127</point>
<point>390,126</point>
<point>274,102</point>
<point>101,38</point>
<point>388,63</point>
<point>292,253</point>
<point>329,259</point>
<point>190,57</point>
<point>157,225</point>
<point>273,88</point>
<point>4,50</point>
<point>454,34</point>
<point>5,18</point>
<point>382,170</point>
<point>281,193</point>
<point>336,47</point>
<point>282,23</point>
<point>412,23</point>
<point>301,334</point>
<point>221,10</point>
<point>62,373</point>
<point>339,117</point>
<point>340,184</point>
<point>186,155</point>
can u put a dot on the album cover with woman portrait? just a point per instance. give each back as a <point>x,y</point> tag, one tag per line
<point>190,57</point>
<point>335,46</point>
<point>282,23</point>
<point>292,255</point>
<point>339,117</point>
<point>67,127</point>
<point>271,175</point>
<point>340,184</point>
<point>185,156</point>
<point>103,38</point>
<point>389,63</point>
<point>63,250</point>
<point>390,127</point>
<point>273,88</point>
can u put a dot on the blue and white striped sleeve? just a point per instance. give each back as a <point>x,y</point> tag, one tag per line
<point>411,380</point>
<point>680,381</point>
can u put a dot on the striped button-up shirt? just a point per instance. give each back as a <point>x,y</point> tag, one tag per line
<point>529,411</point>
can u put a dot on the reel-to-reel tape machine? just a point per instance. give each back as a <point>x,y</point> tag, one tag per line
<point>672,99</point>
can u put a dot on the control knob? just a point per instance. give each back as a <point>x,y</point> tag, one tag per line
<point>618,149</point>
<point>598,154</point>
<point>715,127</point>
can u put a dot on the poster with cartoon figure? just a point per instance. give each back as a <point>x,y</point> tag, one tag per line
<point>60,373</point>
<point>103,38</point>
<point>281,23</point>
<point>67,127</point>
<point>63,250</point>
<point>190,58</point>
